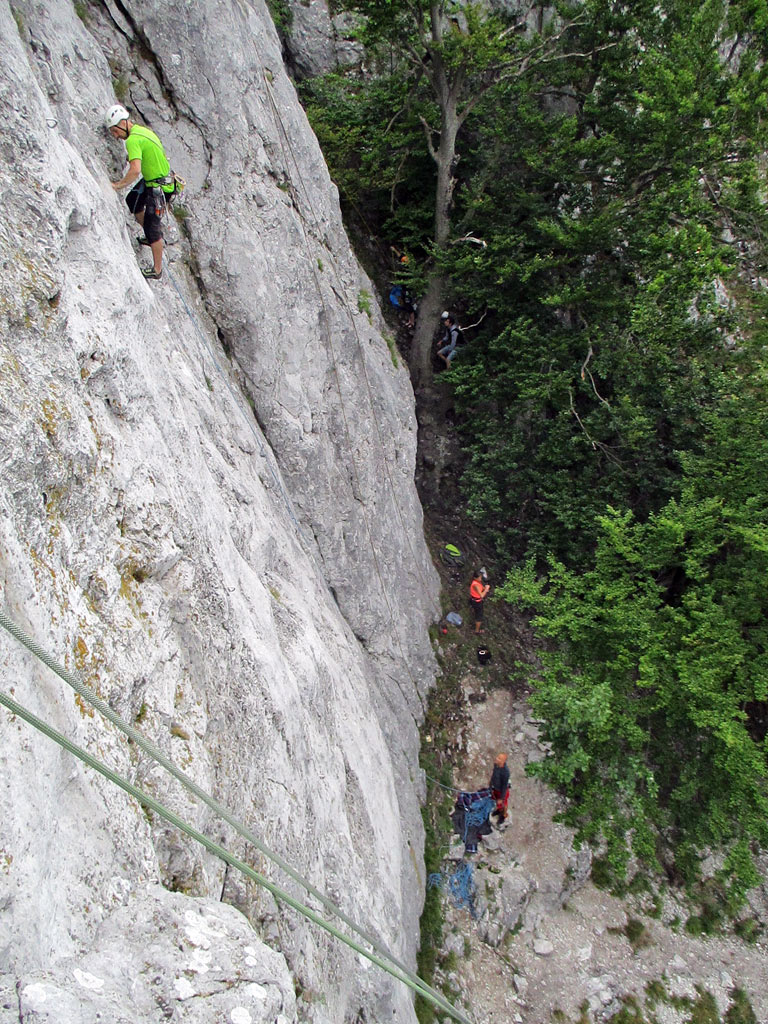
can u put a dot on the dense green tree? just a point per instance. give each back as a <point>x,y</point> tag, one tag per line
<point>654,686</point>
<point>445,58</point>
<point>624,224</point>
<point>609,174</point>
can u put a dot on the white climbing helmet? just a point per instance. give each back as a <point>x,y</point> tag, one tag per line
<point>115,115</point>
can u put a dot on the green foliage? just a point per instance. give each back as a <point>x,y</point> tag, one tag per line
<point>749,930</point>
<point>437,827</point>
<point>120,87</point>
<point>610,402</point>
<point>608,338</point>
<point>282,16</point>
<point>704,1010</point>
<point>740,1011</point>
<point>637,934</point>
<point>378,161</point>
<point>655,680</point>
<point>392,349</point>
<point>364,302</point>
<point>81,10</point>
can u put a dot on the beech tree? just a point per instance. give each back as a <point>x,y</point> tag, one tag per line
<point>449,57</point>
<point>625,235</point>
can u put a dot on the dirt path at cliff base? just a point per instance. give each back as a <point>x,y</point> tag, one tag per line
<point>570,950</point>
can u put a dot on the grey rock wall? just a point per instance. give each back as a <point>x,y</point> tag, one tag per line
<point>319,41</point>
<point>207,509</point>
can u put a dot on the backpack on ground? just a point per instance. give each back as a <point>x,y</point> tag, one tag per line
<point>451,555</point>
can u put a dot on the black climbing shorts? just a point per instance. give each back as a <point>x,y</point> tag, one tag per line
<point>477,608</point>
<point>152,202</point>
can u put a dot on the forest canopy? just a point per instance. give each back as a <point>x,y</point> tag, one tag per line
<point>588,180</point>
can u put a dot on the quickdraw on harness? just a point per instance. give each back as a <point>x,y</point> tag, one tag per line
<point>163,198</point>
<point>172,178</point>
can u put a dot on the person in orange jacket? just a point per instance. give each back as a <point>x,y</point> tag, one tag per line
<point>478,591</point>
<point>499,786</point>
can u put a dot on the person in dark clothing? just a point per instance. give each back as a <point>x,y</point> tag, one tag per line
<point>449,339</point>
<point>499,786</point>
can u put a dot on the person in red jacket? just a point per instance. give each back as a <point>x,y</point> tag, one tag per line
<point>499,785</point>
<point>478,591</point>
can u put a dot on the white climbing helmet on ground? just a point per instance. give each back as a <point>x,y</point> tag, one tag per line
<point>115,115</point>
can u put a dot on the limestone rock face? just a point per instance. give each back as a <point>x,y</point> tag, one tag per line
<point>318,41</point>
<point>207,509</point>
<point>162,955</point>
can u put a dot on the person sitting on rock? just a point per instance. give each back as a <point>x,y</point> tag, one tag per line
<point>499,786</point>
<point>148,167</point>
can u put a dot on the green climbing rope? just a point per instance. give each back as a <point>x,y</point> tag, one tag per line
<point>219,851</point>
<point>72,679</point>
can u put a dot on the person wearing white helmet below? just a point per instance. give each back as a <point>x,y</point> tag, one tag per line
<point>449,338</point>
<point>148,167</point>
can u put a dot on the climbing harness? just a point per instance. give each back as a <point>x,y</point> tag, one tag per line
<point>87,694</point>
<point>172,178</point>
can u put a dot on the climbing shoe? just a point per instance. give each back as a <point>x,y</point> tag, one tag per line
<point>151,274</point>
<point>143,240</point>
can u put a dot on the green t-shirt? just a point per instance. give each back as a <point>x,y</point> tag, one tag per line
<point>142,144</point>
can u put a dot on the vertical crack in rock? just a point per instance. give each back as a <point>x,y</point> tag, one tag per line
<point>146,52</point>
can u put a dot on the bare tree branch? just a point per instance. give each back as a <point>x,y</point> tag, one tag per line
<point>584,370</point>
<point>408,98</point>
<point>428,132</point>
<point>596,445</point>
<point>470,238</point>
<point>468,327</point>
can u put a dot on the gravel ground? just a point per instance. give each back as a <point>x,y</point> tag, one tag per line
<point>584,958</point>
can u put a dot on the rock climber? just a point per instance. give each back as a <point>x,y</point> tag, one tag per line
<point>449,339</point>
<point>499,786</point>
<point>148,167</point>
<point>478,591</point>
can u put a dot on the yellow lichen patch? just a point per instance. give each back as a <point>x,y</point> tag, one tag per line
<point>9,364</point>
<point>53,514</point>
<point>52,415</point>
<point>131,576</point>
<point>6,859</point>
<point>81,653</point>
<point>38,565</point>
<point>85,709</point>
<point>88,663</point>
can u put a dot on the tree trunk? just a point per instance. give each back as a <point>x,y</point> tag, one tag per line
<point>422,352</point>
<point>433,300</point>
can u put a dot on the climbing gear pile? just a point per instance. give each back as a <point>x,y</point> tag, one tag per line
<point>461,886</point>
<point>451,555</point>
